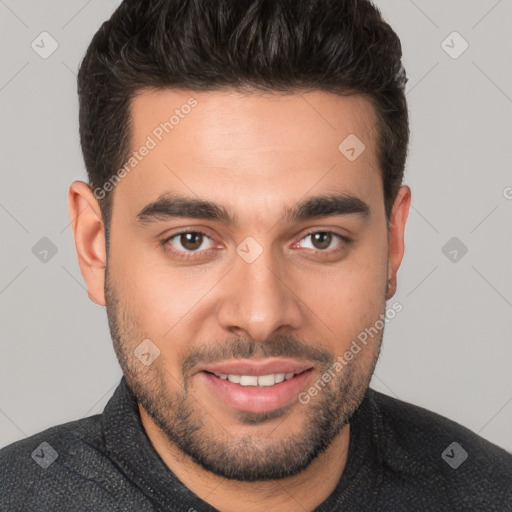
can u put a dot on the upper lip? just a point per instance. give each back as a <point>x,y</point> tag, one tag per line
<point>256,367</point>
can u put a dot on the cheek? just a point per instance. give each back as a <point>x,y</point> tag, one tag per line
<point>165,301</point>
<point>351,298</point>
<point>348,304</point>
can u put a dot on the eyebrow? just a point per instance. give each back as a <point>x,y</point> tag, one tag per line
<point>169,206</point>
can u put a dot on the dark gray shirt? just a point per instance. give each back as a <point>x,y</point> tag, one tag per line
<point>401,458</point>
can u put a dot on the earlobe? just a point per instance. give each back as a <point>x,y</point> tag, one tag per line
<point>397,222</point>
<point>89,233</point>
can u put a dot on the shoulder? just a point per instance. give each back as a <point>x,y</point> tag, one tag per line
<point>55,467</point>
<point>440,458</point>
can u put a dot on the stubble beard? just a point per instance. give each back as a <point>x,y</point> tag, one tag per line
<point>245,457</point>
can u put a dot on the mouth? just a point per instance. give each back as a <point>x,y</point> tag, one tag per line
<point>256,386</point>
<point>270,379</point>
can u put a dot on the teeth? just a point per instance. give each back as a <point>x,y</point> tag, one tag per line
<point>248,380</point>
<point>253,380</point>
<point>266,380</point>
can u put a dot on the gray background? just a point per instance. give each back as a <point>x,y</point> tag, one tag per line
<point>449,350</point>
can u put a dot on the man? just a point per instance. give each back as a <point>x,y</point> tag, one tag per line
<point>243,225</point>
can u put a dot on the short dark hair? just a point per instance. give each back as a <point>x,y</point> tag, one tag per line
<point>339,46</point>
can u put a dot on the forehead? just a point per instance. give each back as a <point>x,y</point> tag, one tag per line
<point>249,148</point>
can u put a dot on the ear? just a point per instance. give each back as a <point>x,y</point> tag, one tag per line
<point>397,221</point>
<point>89,232</point>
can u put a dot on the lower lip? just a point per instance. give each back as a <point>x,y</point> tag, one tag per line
<point>255,398</point>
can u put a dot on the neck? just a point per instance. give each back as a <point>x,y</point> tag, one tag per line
<point>304,491</point>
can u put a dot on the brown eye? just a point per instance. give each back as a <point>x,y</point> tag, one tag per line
<point>327,242</point>
<point>188,243</point>
<point>321,240</point>
<point>191,241</point>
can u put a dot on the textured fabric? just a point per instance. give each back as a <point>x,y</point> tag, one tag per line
<point>401,458</point>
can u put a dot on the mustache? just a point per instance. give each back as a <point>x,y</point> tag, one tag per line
<point>245,348</point>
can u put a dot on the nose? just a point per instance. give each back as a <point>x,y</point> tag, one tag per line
<point>259,299</point>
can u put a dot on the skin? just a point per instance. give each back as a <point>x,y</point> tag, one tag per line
<point>255,155</point>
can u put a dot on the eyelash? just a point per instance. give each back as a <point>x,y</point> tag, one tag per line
<point>191,255</point>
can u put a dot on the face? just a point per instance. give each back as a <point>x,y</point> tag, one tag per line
<point>247,253</point>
